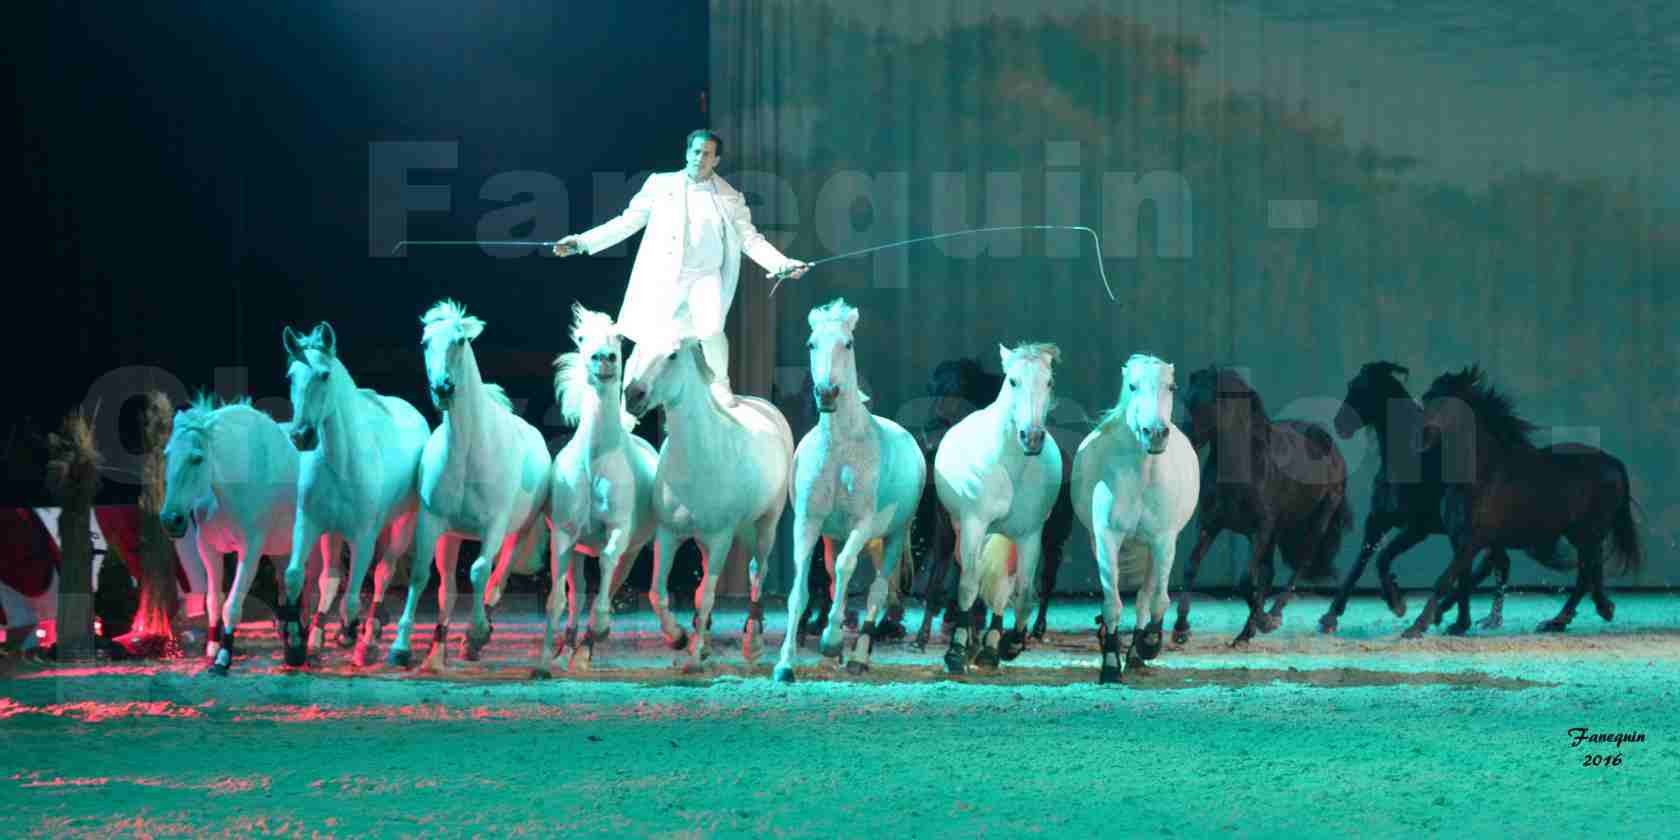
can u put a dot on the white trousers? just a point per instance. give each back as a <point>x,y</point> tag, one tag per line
<point>699,312</point>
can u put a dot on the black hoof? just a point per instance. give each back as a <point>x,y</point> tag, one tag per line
<point>541,674</point>
<point>956,658</point>
<point>1552,625</point>
<point>1011,645</point>
<point>1109,675</point>
<point>1458,629</point>
<point>224,660</point>
<point>1414,632</point>
<point>890,630</point>
<point>855,667</point>
<point>472,644</point>
<point>1266,622</point>
<point>680,642</point>
<point>1328,623</point>
<point>832,651</point>
<point>1492,622</point>
<point>1147,641</point>
<point>1606,609</point>
<point>987,657</point>
<point>783,674</point>
<point>400,658</point>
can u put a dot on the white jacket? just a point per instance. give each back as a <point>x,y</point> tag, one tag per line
<point>662,207</point>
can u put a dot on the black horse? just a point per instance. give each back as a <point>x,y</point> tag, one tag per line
<point>1282,484</point>
<point>1502,491</point>
<point>959,387</point>
<point>1406,495</point>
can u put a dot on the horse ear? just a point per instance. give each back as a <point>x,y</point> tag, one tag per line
<point>1003,356</point>
<point>292,342</point>
<point>329,339</point>
<point>851,320</point>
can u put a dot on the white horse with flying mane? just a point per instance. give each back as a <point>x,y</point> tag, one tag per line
<point>723,475</point>
<point>997,471</point>
<point>600,499</point>
<point>856,477</point>
<point>484,477</point>
<point>358,472</point>
<point>233,471</point>
<point>1136,480</point>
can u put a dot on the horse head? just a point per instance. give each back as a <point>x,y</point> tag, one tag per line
<point>187,468</point>
<point>659,370</point>
<point>1146,398</point>
<point>1026,394</point>
<point>833,365</point>
<point>446,338</point>
<point>1368,395</point>
<point>314,361</point>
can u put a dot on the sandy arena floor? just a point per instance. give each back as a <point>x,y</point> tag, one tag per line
<point>1297,735</point>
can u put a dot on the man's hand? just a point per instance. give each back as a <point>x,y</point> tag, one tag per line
<point>567,247</point>
<point>792,271</point>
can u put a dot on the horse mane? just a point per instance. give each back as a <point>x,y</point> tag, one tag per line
<point>1228,382</point>
<point>1036,349</point>
<point>836,311</point>
<point>200,414</point>
<point>446,316</point>
<point>1385,369</point>
<point>1491,408</point>
<point>498,395</point>
<point>1114,412</point>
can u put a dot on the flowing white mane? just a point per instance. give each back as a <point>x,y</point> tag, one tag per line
<point>571,370</point>
<point>201,414</point>
<point>447,317</point>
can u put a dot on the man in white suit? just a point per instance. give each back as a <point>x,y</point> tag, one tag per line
<point>686,268</point>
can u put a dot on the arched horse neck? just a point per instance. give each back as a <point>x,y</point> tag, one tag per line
<point>601,427</point>
<point>344,399</point>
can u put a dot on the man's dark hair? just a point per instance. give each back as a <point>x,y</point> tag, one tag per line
<point>709,135</point>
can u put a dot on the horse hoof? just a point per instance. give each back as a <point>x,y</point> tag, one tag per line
<point>218,668</point>
<point>296,656</point>
<point>783,674</point>
<point>1552,625</point>
<point>855,667</point>
<point>831,647</point>
<point>1412,632</point>
<point>1011,645</point>
<point>472,644</point>
<point>987,657</point>
<point>1328,624</point>
<point>1038,631</point>
<point>1181,635</point>
<point>1606,610</point>
<point>1458,629</point>
<point>541,674</point>
<point>400,658</point>
<point>1148,645</point>
<point>920,644</point>
<point>956,660</point>
<point>1397,605</point>
<point>680,642</point>
<point>1267,622</point>
<point>890,631</point>
<point>1492,622</point>
<point>1109,675</point>
<point>365,655</point>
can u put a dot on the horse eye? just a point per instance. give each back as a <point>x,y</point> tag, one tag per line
<point>195,458</point>
<point>321,375</point>
<point>848,344</point>
<point>1132,386</point>
<point>1172,388</point>
<point>810,345</point>
<point>1013,383</point>
<point>673,355</point>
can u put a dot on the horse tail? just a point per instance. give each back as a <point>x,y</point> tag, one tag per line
<point>1321,561</point>
<point>1625,544</point>
<point>1135,562</point>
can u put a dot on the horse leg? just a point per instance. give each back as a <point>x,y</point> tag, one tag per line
<point>1029,553</point>
<point>1105,547</point>
<point>891,626</point>
<point>764,541</point>
<point>1374,531</point>
<point>1466,587</point>
<point>1589,556</point>
<point>576,586</point>
<point>428,530</point>
<point>933,595</point>
<point>306,536</point>
<point>560,556</point>
<point>714,558</point>
<point>328,584</point>
<point>892,550</point>
<point>250,555</point>
<point>806,531</point>
<point>1204,541</point>
<point>1391,593</point>
<point>1601,602</point>
<point>361,557</point>
<point>1463,552</point>
<point>212,559</point>
<point>833,638</point>
<point>444,563</point>
<point>600,612</point>
<point>1152,602</point>
<point>665,544</point>
<point>500,542</point>
<point>971,539</point>
<point>1259,579</point>
<point>1050,566</point>
<point>367,641</point>
<point>1500,561</point>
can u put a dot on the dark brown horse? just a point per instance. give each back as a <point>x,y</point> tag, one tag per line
<point>1406,495</point>
<point>1282,484</point>
<point>1502,491</point>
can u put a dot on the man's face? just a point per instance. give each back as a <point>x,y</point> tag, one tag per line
<point>702,158</point>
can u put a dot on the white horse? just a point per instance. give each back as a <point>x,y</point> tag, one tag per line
<point>1135,485</point>
<point>233,471</point>
<point>358,468</point>
<point>856,477</point>
<point>600,498</point>
<point>723,474</point>
<point>484,476</point>
<point>998,472</point>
